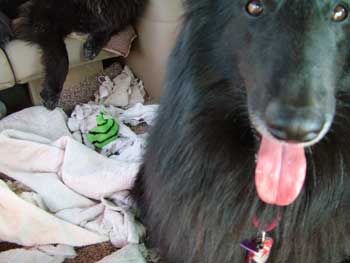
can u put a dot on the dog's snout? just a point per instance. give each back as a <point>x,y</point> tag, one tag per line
<point>293,124</point>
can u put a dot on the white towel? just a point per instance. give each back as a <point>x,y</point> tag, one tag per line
<point>70,186</point>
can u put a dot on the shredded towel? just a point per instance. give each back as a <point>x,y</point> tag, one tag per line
<point>124,91</point>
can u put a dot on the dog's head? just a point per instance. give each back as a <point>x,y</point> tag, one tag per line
<point>292,56</point>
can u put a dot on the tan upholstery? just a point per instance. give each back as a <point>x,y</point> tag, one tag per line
<point>6,76</point>
<point>25,59</point>
<point>157,31</point>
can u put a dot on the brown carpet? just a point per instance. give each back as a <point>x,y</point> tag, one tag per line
<point>89,254</point>
<point>84,91</point>
<point>92,254</point>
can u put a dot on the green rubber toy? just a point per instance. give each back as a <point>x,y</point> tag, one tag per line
<point>107,131</point>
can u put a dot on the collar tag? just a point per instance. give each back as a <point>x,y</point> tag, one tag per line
<point>258,249</point>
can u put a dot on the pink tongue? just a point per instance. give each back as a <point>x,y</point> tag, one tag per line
<point>280,172</point>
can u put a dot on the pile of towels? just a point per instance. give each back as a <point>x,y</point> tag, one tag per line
<point>61,192</point>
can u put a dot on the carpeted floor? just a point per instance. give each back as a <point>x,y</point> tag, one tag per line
<point>92,254</point>
<point>89,254</point>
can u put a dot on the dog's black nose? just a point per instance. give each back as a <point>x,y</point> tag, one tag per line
<point>293,123</point>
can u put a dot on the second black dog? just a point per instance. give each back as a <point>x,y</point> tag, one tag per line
<point>47,23</point>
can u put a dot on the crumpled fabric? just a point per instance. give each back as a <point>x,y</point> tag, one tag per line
<point>78,197</point>
<point>37,120</point>
<point>29,256</point>
<point>129,146</point>
<point>64,192</point>
<point>125,90</point>
<point>25,224</point>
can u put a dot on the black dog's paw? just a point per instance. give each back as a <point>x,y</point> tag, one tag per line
<point>5,30</point>
<point>50,100</point>
<point>50,104</point>
<point>92,48</point>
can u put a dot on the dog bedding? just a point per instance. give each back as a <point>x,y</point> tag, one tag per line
<point>77,196</point>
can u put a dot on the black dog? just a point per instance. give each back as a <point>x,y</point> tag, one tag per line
<point>248,81</point>
<point>8,11</point>
<point>48,22</point>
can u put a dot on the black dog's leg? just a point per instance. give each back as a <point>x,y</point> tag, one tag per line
<point>95,42</point>
<point>35,24</point>
<point>5,30</point>
<point>8,11</point>
<point>55,61</point>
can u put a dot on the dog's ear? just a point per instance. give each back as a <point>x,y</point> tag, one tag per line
<point>5,30</point>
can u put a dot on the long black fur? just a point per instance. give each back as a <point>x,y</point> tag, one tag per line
<point>8,11</point>
<point>196,188</point>
<point>47,23</point>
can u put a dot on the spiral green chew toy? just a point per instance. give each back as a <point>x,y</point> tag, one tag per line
<point>106,132</point>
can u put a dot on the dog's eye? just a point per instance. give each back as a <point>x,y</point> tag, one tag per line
<point>340,13</point>
<point>255,7</point>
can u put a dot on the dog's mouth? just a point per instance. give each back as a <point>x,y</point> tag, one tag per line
<point>281,167</point>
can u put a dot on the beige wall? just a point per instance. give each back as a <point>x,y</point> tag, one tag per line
<point>157,31</point>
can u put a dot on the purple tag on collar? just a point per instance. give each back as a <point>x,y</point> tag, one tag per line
<point>250,245</point>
